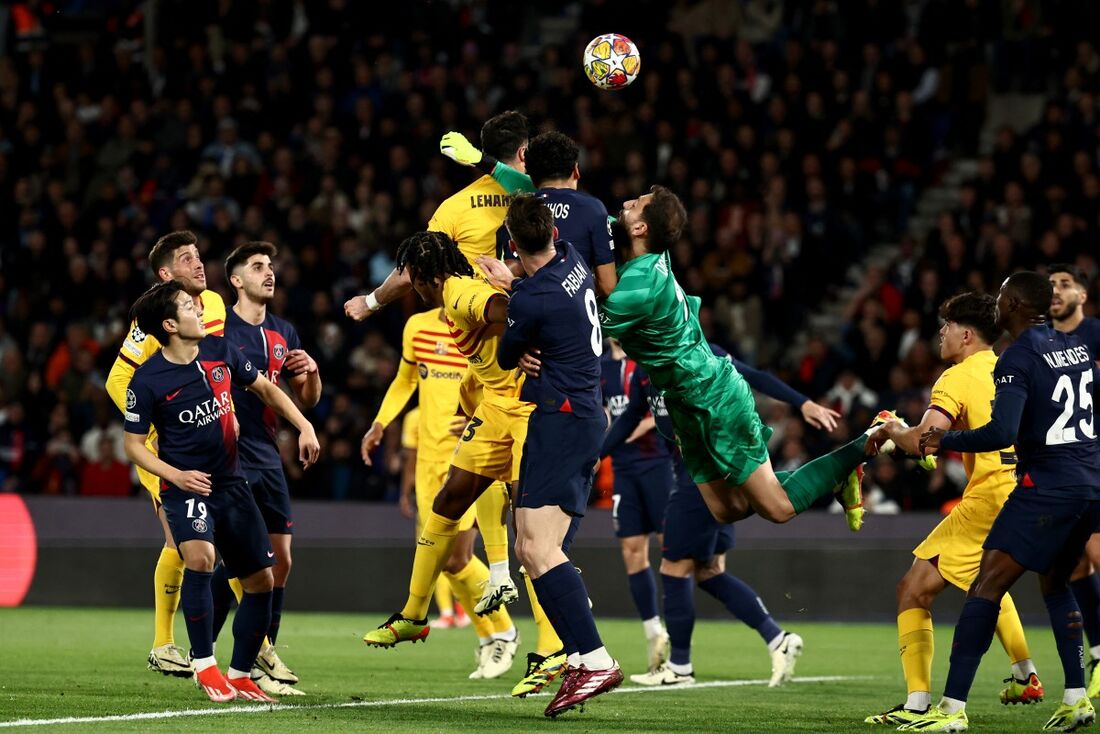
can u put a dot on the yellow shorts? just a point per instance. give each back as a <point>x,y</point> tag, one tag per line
<point>955,545</point>
<point>430,476</point>
<point>492,444</point>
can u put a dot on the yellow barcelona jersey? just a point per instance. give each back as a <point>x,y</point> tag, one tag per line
<point>472,217</point>
<point>964,393</point>
<point>466,305</point>
<point>432,366</point>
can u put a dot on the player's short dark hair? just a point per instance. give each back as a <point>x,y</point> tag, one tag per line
<point>504,134</point>
<point>551,155</point>
<point>165,249</point>
<point>1033,290</point>
<point>1074,272</point>
<point>430,255</point>
<point>240,256</point>
<point>973,310</point>
<point>530,223</point>
<point>665,217</point>
<point>154,306</point>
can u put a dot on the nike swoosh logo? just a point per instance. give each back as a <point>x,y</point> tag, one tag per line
<point>455,306</point>
<point>270,554</point>
<point>171,396</point>
<point>290,523</point>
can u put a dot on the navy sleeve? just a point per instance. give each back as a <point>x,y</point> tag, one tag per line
<point>139,406</point>
<point>241,369</point>
<point>523,327</point>
<point>603,242</point>
<point>999,433</point>
<point>769,384</point>
<point>624,425</point>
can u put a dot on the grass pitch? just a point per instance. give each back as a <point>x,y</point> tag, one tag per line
<point>85,664</point>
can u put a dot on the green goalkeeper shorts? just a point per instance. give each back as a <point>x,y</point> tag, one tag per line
<point>718,430</point>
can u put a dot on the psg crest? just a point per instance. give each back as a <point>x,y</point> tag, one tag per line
<point>199,525</point>
<point>278,351</point>
<point>218,374</point>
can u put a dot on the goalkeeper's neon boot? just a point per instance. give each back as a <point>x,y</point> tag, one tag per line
<point>1092,670</point>
<point>937,720</point>
<point>269,662</point>
<point>247,690</point>
<point>170,660</point>
<point>783,659</point>
<point>1071,718</point>
<point>662,676</point>
<point>541,671</point>
<point>928,463</point>
<point>495,596</point>
<point>850,496</point>
<point>1022,691</point>
<point>896,716</point>
<point>657,650</point>
<point>397,629</point>
<point>211,681</point>
<point>582,684</point>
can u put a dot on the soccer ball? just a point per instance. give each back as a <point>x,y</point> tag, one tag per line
<point>612,61</point>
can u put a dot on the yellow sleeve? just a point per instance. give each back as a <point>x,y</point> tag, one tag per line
<point>471,301</point>
<point>137,347</point>
<point>403,385</point>
<point>409,428</point>
<point>442,221</point>
<point>948,392</point>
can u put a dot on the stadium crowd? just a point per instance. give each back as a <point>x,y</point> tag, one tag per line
<point>795,141</point>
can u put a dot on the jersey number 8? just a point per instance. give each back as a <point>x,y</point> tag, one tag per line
<point>594,316</point>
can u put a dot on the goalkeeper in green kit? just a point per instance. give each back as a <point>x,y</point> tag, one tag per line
<point>723,442</point>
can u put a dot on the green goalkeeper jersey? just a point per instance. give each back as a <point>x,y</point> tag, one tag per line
<point>658,327</point>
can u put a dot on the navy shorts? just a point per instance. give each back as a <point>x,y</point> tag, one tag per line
<point>1046,531</point>
<point>639,499</point>
<point>228,518</point>
<point>558,457</point>
<point>690,529</point>
<point>272,497</point>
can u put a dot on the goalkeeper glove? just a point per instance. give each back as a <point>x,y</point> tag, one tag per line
<point>455,146</point>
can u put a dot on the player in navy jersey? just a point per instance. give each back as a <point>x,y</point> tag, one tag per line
<point>642,478</point>
<point>272,345</point>
<point>1067,315</point>
<point>694,543</point>
<point>1044,404</point>
<point>554,311</point>
<point>184,391</point>
<point>581,218</point>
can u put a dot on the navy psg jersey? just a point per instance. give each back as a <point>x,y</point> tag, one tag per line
<point>581,220</point>
<point>1088,331</point>
<point>555,311</point>
<point>1055,373</point>
<point>626,387</point>
<point>266,346</point>
<point>191,407</point>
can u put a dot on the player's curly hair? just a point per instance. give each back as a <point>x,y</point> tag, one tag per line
<point>973,310</point>
<point>164,250</point>
<point>550,156</point>
<point>430,255</point>
<point>665,217</point>
<point>154,306</point>
<point>503,135</point>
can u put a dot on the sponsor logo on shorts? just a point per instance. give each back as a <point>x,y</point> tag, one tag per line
<point>199,525</point>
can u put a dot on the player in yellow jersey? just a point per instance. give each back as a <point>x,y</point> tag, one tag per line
<point>432,366</point>
<point>962,399</point>
<point>175,256</point>
<point>491,446</point>
<point>470,217</point>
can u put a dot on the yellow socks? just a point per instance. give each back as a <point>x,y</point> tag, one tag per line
<point>167,579</point>
<point>548,642</point>
<point>492,508</point>
<point>1011,632</point>
<point>433,548</point>
<point>916,644</point>
<point>467,585</point>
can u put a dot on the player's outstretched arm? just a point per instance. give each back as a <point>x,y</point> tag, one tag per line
<point>137,452</point>
<point>308,446</point>
<point>999,433</point>
<point>907,438</point>
<point>455,146</point>
<point>396,285</point>
<point>816,415</point>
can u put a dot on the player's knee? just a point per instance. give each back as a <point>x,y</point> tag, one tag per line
<point>260,582</point>
<point>779,514</point>
<point>910,595</point>
<point>281,571</point>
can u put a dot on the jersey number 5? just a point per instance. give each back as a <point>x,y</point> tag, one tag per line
<point>594,316</point>
<point>1061,432</point>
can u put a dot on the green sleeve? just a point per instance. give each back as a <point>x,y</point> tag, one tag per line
<point>627,305</point>
<point>512,180</point>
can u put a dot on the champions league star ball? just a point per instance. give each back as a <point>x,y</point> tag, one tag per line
<point>612,61</point>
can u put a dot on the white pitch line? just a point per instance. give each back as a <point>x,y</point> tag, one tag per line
<point>258,709</point>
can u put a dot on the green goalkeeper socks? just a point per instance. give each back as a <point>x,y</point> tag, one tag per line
<point>819,478</point>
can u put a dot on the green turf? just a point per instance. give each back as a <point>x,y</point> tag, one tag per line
<point>90,662</point>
